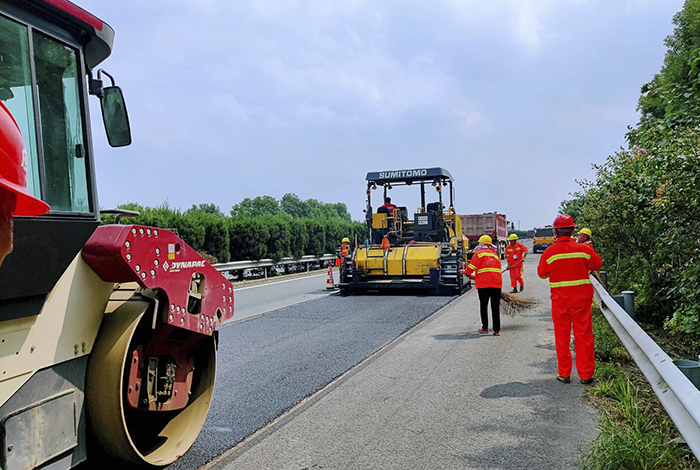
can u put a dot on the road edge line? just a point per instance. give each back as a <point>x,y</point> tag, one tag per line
<point>284,418</point>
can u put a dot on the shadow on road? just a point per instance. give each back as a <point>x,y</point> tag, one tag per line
<point>465,335</point>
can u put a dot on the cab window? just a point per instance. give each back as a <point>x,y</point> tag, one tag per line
<point>54,136</point>
<point>16,91</point>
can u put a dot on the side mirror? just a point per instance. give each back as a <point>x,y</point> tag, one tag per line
<point>115,117</point>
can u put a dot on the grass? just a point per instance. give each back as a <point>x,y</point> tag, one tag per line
<point>635,431</point>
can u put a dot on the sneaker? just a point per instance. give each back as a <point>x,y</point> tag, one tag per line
<point>564,380</point>
<point>497,333</point>
<point>522,288</point>
<point>514,291</point>
<point>483,331</point>
<point>587,381</point>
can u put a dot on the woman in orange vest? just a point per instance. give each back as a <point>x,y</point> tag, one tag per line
<point>515,255</point>
<point>567,264</point>
<point>15,199</point>
<point>485,268</point>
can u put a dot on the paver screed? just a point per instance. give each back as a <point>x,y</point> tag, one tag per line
<point>444,397</point>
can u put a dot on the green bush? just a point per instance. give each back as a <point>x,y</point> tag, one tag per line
<point>257,228</point>
<point>604,337</point>
<point>630,437</point>
<point>643,203</point>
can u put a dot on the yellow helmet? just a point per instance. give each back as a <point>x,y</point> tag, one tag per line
<point>512,236</point>
<point>486,240</point>
<point>346,240</point>
<point>586,231</point>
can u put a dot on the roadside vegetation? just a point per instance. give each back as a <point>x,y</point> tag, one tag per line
<point>257,228</point>
<point>643,203</point>
<point>635,431</point>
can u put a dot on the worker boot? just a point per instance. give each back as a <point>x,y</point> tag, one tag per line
<point>522,287</point>
<point>514,291</point>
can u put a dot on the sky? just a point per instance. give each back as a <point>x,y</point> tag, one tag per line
<point>234,99</point>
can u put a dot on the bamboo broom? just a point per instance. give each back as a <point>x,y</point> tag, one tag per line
<point>511,304</point>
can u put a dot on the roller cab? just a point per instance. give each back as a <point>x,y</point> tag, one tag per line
<point>108,333</point>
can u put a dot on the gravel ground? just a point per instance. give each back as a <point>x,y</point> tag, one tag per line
<point>268,364</point>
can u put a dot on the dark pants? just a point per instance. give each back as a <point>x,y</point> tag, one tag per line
<point>493,294</point>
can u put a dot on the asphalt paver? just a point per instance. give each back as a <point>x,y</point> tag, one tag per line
<point>267,364</point>
<point>444,397</point>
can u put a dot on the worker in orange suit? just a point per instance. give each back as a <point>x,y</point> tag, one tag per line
<point>585,236</point>
<point>344,252</point>
<point>567,264</point>
<point>515,255</point>
<point>485,268</point>
<point>15,198</point>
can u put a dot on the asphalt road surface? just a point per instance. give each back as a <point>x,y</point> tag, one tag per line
<point>443,397</point>
<point>261,298</point>
<point>269,363</point>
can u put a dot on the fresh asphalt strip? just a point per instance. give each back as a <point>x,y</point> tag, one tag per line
<point>270,363</point>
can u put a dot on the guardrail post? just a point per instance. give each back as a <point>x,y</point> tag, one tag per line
<point>604,278</point>
<point>690,369</point>
<point>620,300</point>
<point>265,271</point>
<point>628,303</point>
<point>307,266</point>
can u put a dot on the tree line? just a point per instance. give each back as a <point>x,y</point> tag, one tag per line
<point>257,228</point>
<point>642,204</point>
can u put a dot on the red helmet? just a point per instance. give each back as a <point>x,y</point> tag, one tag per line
<point>564,221</point>
<point>13,166</point>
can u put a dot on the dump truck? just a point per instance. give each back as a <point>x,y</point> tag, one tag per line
<point>409,251</point>
<point>109,338</point>
<point>492,224</point>
<point>544,238</point>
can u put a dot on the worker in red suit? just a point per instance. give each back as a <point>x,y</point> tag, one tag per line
<point>485,268</point>
<point>568,264</point>
<point>389,205</point>
<point>515,255</point>
<point>15,199</point>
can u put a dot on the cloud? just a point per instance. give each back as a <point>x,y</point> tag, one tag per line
<point>301,87</point>
<point>471,119</point>
<point>318,113</point>
<point>527,25</point>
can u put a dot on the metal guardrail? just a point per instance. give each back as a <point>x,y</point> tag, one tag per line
<point>268,263</point>
<point>677,394</point>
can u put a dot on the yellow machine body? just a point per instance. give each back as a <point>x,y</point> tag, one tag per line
<point>411,250</point>
<point>407,260</point>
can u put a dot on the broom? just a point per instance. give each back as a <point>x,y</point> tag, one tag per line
<point>512,304</point>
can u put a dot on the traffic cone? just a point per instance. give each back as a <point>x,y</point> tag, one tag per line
<point>330,283</point>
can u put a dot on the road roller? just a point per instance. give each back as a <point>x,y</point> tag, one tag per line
<point>407,251</point>
<point>107,332</point>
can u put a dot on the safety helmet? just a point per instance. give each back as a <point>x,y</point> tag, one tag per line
<point>486,240</point>
<point>346,240</point>
<point>13,167</point>
<point>586,231</point>
<point>512,236</point>
<point>564,221</point>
